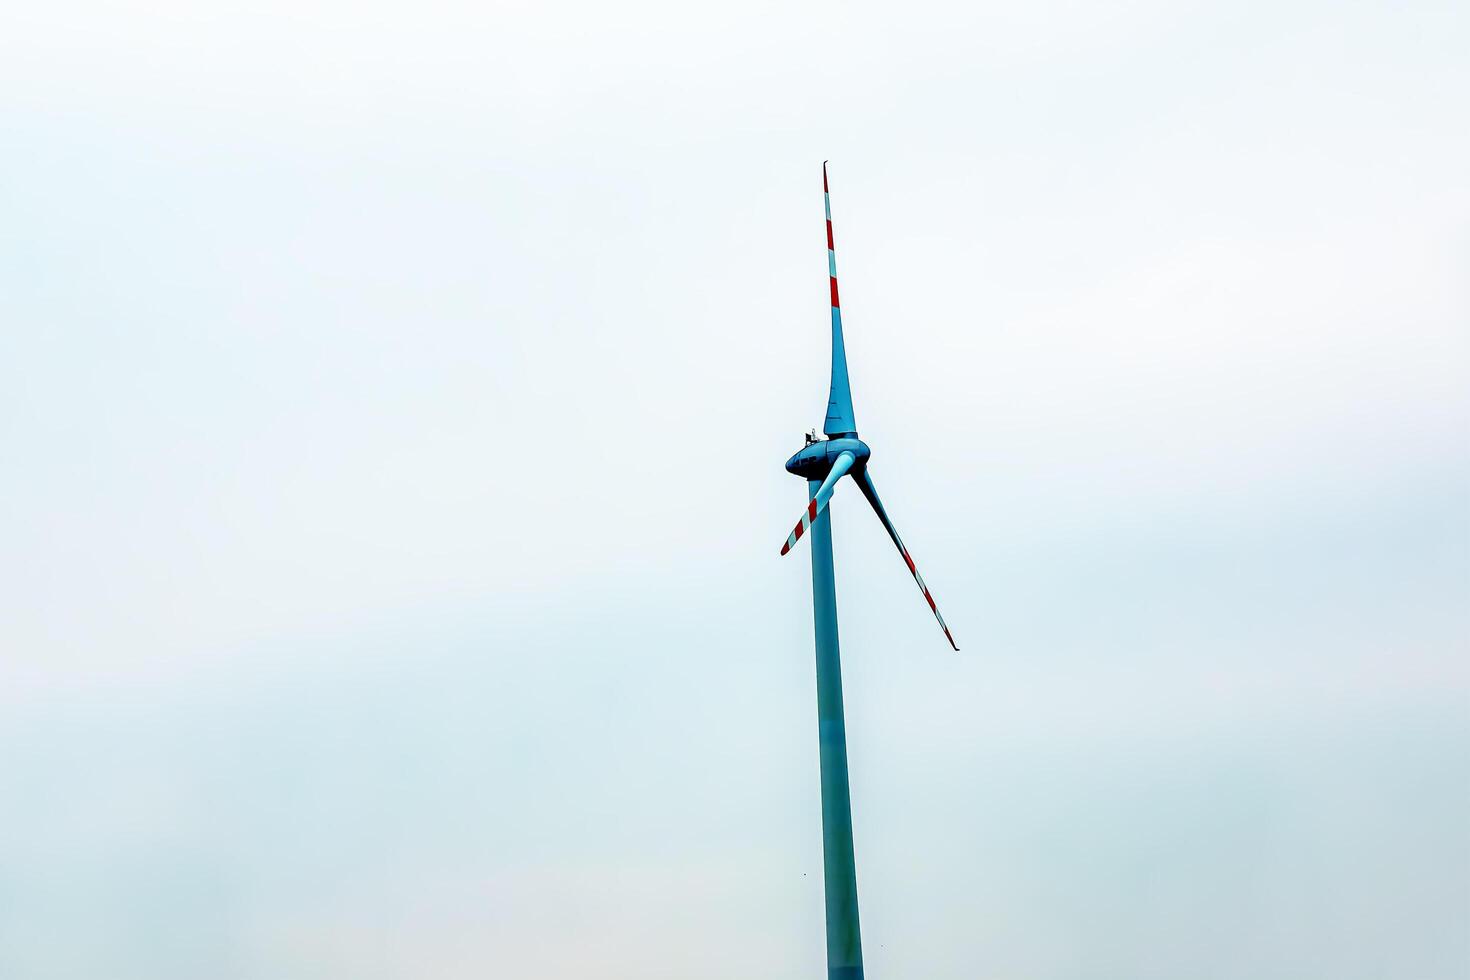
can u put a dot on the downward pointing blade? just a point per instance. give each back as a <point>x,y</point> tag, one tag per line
<point>865,483</point>
<point>842,464</point>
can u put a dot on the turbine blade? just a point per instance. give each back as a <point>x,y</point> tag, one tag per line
<point>865,483</point>
<point>839,400</point>
<point>841,465</point>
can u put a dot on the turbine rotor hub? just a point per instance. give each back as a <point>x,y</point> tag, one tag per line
<point>815,461</point>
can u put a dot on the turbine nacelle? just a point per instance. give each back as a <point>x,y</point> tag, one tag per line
<point>816,460</point>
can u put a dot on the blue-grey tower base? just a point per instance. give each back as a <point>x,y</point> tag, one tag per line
<point>844,939</point>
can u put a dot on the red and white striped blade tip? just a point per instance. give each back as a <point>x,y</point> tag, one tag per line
<point>807,516</point>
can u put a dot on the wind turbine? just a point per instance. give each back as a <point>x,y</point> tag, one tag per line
<point>822,463</point>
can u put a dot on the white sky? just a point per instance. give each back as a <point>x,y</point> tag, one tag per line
<point>393,404</point>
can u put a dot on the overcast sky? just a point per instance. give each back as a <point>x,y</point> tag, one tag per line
<point>393,403</point>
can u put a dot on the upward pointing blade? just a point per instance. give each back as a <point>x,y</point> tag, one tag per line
<point>865,483</point>
<point>839,400</point>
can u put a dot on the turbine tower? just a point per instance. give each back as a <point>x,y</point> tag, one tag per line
<point>822,463</point>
